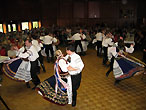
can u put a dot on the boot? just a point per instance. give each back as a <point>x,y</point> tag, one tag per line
<point>73,103</point>
<point>44,70</point>
<point>27,85</point>
<point>48,59</point>
<point>52,59</point>
<point>38,70</point>
<point>34,88</point>
<point>108,72</point>
<point>0,79</point>
<point>117,82</point>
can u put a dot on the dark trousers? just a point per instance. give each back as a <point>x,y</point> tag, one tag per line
<point>111,66</point>
<point>47,48</point>
<point>1,65</point>
<point>41,59</point>
<point>144,57</point>
<point>76,80</point>
<point>105,58</point>
<point>69,42</point>
<point>99,47</point>
<point>33,71</point>
<point>78,42</point>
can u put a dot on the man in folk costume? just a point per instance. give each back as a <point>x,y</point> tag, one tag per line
<point>78,37</point>
<point>31,54</point>
<point>48,41</point>
<point>99,36</point>
<point>57,88</point>
<point>107,42</point>
<point>38,46</point>
<point>75,67</point>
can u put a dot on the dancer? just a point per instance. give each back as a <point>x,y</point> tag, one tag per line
<point>75,68</point>
<point>57,88</point>
<point>107,42</point>
<point>18,69</point>
<point>122,66</point>
<point>38,45</point>
<point>48,41</point>
<point>78,37</point>
<point>30,55</point>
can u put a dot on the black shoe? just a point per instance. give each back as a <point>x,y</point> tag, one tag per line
<point>117,82</point>
<point>52,60</point>
<point>0,79</point>
<point>107,74</point>
<point>34,88</point>
<point>84,53</point>
<point>105,65</point>
<point>73,103</point>
<point>38,72</point>
<point>27,85</point>
<point>48,59</point>
<point>44,70</point>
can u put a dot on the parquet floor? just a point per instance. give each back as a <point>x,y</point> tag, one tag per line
<point>96,92</point>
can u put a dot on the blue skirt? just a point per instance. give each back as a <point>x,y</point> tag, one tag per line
<point>11,69</point>
<point>127,68</point>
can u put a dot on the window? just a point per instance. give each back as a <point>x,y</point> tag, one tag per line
<point>24,25</point>
<point>35,24</point>
<point>14,27</point>
<point>9,28</point>
<point>1,27</point>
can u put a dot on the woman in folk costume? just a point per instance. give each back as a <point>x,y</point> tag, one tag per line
<point>122,66</point>
<point>18,68</point>
<point>57,88</point>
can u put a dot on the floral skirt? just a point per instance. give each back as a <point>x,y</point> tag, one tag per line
<point>47,90</point>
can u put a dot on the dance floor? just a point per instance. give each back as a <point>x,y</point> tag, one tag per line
<point>97,92</point>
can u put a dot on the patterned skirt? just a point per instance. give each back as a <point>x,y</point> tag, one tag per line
<point>18,70</point>
<point>126,68</point>
<point>47,90</point>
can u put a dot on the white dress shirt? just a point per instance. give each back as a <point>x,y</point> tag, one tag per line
<point>76,62</point>
<point>47,40</point>
<point>31,53</point>
<point>78,36</point>
<point>36,44</point>
<point>112,51</point>
<point>106,42</point>
<point>99,36</point>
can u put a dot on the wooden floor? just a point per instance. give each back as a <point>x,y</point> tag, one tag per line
<point>96,92</point>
